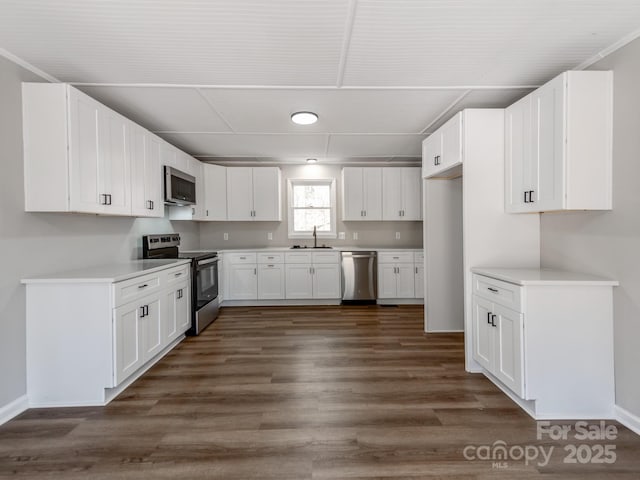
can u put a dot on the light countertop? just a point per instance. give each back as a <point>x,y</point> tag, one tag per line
<point>289,249</point>
<point>543,276</point>
<point>116,272</point>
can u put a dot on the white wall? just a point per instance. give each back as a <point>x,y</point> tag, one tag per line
<point>608,243</point>
<point>35,243</point>
<point>254,234</point>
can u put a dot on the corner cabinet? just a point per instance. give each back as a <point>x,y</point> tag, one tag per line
<point>254,194</point>
<point>558,145</point>
<point>546,338</point>
<point>361,193</point>
<point>88,338</point>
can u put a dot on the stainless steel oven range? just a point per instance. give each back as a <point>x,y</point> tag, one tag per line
<point>204,276</point>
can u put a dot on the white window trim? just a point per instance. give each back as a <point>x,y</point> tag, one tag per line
<point>334,207</point>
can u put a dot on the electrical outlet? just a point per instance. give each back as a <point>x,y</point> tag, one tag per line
<point>226,236</point>
<point>355,235</point>
<point>270,236</point>
<point>397,235</point>
<point>341,235</point>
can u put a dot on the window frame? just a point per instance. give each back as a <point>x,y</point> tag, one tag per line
<point>331,182</point>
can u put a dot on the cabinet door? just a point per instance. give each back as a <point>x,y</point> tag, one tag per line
<point>392,193</point>
<point>170,317</point>
<point>183,307</point>
<point>298,282</point>
<point>372,193</point>
<point>508,348</point>
<point>405,281</point>
<point>547,131</point>
<point>419,280</point>
<point>271,281</point>
<point>127,341</point>
<point>113,158</point>
<point>168,155</point>
<point>267,194</point>
<point>352,194</point>
<point>215,185</point>
<point>86,188</point>
<point>326,281</point>
<point>483,334</point>
<point>519,172</point>
<point>431,154</point>
<point>146,177</point>
<point>411,188</point>
<point>387,280</point>
<point>152,328</point>
<point>240,193</point>
<point>243,282</point>
<point>199,210</point>
<point>451,143</point>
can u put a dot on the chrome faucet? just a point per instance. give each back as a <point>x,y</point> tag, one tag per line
<point>315,238</point>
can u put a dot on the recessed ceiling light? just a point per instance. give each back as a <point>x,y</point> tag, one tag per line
<point>312,160</point>
<point>304,118</point>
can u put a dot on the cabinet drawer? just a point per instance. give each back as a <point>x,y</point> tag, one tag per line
<point>418,257</point>
<point>273,257</point>
<point>130,290</point>
<point>497,291</point>
<point>325,257</point>
<point>395,257</point>
<point>236,258</point>
<point>297,257</point>
<point>177,274</point>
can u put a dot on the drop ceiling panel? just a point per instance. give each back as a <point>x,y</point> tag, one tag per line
<point>375,145</point>
<point>173,109</point>
<point>340,111</point>
<point>248,145</point>
<point>237,42</point>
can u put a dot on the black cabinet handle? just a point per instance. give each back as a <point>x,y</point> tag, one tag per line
<point>492,290</point>
<point>143,286</point>
<point>493,317</point>
<point>142,311</point>
<point>177,274</point>
<point>489,318</point>
<point>525,197</point>
<point>531,200</point>
<point>108,199</point>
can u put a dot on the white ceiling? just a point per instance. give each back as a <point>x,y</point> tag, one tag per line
<point>219,78</point>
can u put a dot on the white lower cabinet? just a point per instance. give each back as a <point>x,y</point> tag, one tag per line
<point>299,281</point>
<point>546,337</point>
<point>313,275</point>
<point>396,275</point>
<point>271,281</point>
<point>243,282</point>
<point>86,336</point>
<point>419,280</point>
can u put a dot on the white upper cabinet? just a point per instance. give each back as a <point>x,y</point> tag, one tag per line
<point>361,193</point>
<point>146,174</point>
<point>401,193</point>
<point>558,145</point>
<point>442,151</point>
<point>254,194</point>
<point>215,192</point>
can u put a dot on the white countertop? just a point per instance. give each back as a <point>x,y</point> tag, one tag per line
<point>289,249</point>
<point>543,276</point>
<point>111,273</point>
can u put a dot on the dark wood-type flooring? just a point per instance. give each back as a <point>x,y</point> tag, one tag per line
<point>299,393</point>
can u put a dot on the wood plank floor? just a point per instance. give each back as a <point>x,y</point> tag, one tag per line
<point>299,393</point>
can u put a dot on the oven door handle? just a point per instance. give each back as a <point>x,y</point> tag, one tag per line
<point>202,263</point>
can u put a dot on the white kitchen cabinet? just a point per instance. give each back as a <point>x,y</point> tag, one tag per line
<point>401,193</point>
<point>546,338</point>
<point>419,280</point>
<point>271,281</point>
<point>146,174</point>
<point>558,153</point>
<point>361,193</point>
<point>215,192</point>
<point>396,275</point>
<point>312,275</point>
<point>89,334</point>
<point>243,281</point>
<point>76,153</point>
<point>442,151</point>
<point>254,194</point>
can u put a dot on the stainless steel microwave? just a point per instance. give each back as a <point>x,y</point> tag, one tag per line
<point>179,187</point>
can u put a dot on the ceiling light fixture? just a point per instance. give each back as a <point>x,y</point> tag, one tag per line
<point>304,118</point>
<point>312,160</point>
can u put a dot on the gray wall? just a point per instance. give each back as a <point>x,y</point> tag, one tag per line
<point>254,234</point>
<point>608,243</point>
<point>34,243</point>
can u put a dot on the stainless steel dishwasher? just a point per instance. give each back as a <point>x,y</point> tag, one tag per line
<point>359,276</point>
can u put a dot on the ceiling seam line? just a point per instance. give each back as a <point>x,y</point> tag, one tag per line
<point>326,146</point>
<point>304,87</point>
<point>346,43</point>
<point>364,134</point>
<point>203,96</point>
<point>445,111</point>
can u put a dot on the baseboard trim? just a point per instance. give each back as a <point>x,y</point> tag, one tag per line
<point>628,419</point>
<point>13,409</point>
<point>279,303</point>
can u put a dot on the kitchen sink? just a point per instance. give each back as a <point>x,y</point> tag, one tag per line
<point>298,247</point>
